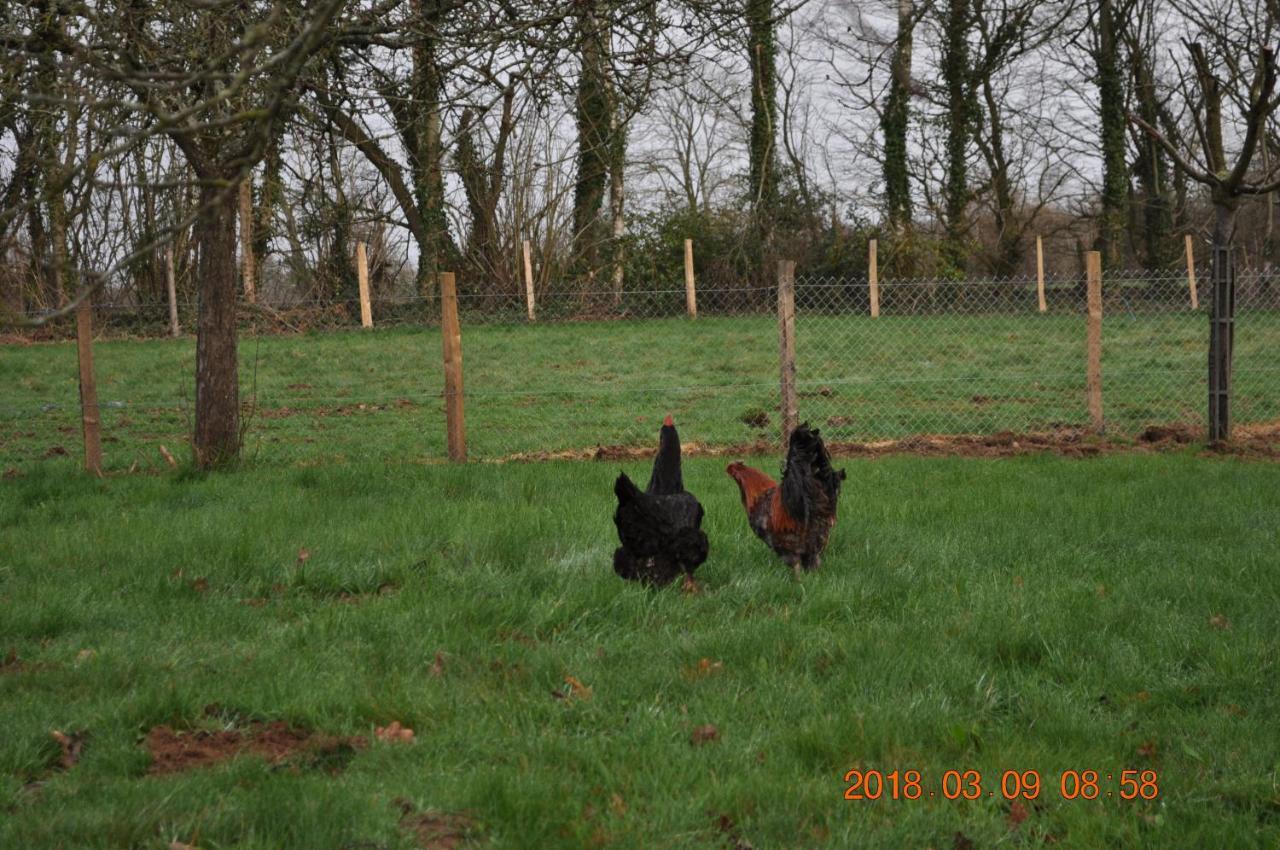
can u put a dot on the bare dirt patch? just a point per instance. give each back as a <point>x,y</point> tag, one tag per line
<point>173,752</point>
<point>437,830</point>
<point>1256,441</point>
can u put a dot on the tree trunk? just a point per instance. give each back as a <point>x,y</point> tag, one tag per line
<point>617,205</point>
<point>1221,322</point>
<point>595,118</point>
<point>764,130</point>
<point>427,152</point>
<point>959,120</point>
<point>217,433</point>
<point>1115,177</point>
<point>894,125</point>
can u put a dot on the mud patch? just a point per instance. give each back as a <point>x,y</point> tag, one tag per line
<point>174,752</point>
<point>437,830</point>
<point>11,664</point>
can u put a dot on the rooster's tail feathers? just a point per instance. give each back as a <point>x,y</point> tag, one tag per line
<point>807,458</point>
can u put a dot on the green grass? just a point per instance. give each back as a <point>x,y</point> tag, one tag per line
<point>374,396</point>
<point>1031,614</point>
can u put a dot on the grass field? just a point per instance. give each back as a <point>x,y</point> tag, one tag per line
<point>374,396</point>
<point>1029,614</point>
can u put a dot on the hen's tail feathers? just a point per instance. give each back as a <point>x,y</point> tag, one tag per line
<point>666,479</point>
<point>625,489</point>
<point>807,460</point>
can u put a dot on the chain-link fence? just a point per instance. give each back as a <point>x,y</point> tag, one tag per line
<point>979,356</point>
<point>597,368</point>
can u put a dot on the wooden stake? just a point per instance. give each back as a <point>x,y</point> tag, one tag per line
<point>873,279</point>
<point>1191,273</point>
<point>451,332</point>
<point>246,240</point>
<point>1093,377</point>
<point>1040,273</point>
<point>787,346</point>
<point>362,274</point>
<point>90,419</point>
<point>690,291</point>
<point>528,284</point>
<point>174,329</point>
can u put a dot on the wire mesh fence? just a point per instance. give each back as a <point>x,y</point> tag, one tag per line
<point>596,369</point>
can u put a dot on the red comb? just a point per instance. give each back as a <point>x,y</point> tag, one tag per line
<point>668,422</point>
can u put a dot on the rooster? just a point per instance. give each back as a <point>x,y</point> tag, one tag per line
<point>661,528</point>
<point>796,517</point>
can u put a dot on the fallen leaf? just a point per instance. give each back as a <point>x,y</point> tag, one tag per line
<point>618,805</point>
<point>303,555</point>
<point>1148,750</point>
<point>437,666</point>
<point>393,733</point>
<point>705,667</point>
<point>168,457</point>
<point>1017,814</point>
<point>577,690</point>
<point>11,473</point>
<point>84,655</point>
<point>689,585</point>
<point>200,585</point>
<point>704,734</point>
<point>178,845</point>
<point>1219,622</point>
<point>71,746</point>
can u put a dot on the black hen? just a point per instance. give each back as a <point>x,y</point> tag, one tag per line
<point>661,528</point>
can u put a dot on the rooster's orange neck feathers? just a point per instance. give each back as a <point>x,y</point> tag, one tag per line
<point>751,482</point>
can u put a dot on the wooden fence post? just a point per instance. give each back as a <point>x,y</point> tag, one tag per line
<point>1191,273</point>
<point>690,290</point>
<point>1093,378</point>
<point>787,346</point>
<point>247,265</point>
<point>528,283</point>
<point>451,332</point>
<point>173,292</point>
<point>1040,273</point>
<point>873,279</point>
<point>362,274</point>
<point>90,419</point>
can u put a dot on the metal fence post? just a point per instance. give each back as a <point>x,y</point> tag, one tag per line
<point>1221,339</point>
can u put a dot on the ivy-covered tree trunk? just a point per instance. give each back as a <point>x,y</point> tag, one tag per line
<point>426,150</point>
<point>594,107</point>
<point>763,178</point>
<point>1115,177</point>
<point>894,123</point>
<point>961,108</point>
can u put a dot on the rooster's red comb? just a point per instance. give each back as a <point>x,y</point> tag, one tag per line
<point>668,421</point>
